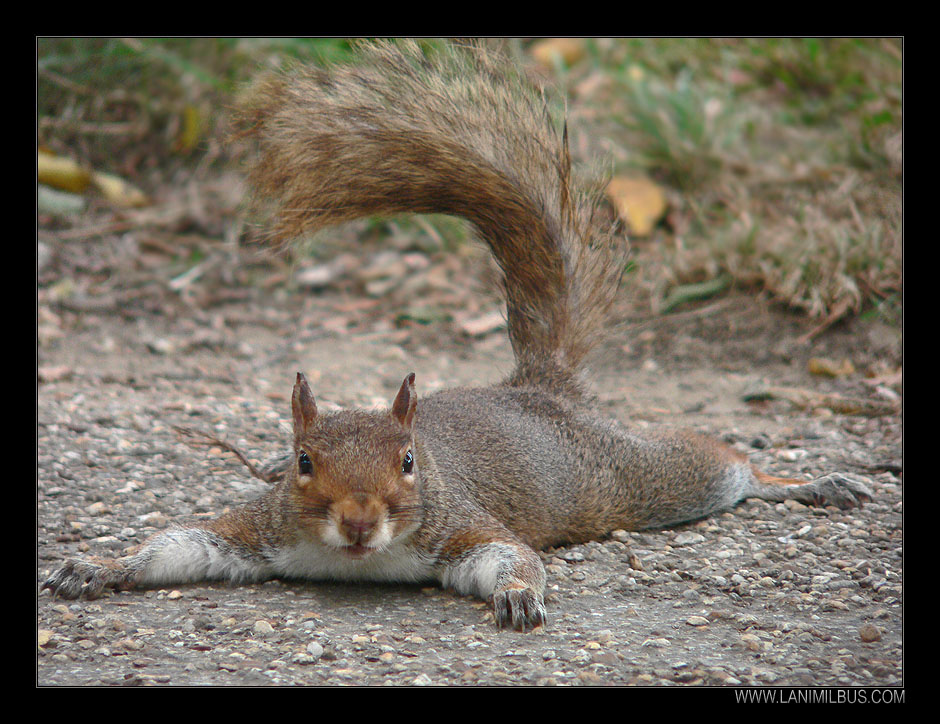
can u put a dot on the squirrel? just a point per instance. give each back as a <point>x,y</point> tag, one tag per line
<point>466,487</point>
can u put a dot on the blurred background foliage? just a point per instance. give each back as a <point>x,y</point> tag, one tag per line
<point>778,160</point>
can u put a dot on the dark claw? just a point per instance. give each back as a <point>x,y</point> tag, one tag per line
<point>81,579</point>
<point>520,608</point>
<point>840,491</point>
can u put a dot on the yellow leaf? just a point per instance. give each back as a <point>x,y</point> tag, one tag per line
<point>61,173</point>
<point>191,130</point>
<point>569,50</point>
<point>831,368</point>
<point>66,174</point>
<point>118,191</point>
<point>639,202</point>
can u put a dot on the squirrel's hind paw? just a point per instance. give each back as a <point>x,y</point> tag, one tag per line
<point>520,608</point>
<point>78,578</point>
<point>838,490</point>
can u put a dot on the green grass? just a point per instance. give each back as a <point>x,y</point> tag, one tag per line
<point>781,156</point>
<point>784,156</point>
<point>111,102</point>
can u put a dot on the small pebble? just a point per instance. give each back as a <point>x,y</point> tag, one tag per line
<point>688,538</point>
<point>262,628</point>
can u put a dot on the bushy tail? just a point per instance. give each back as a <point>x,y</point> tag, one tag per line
<point>451,133</point>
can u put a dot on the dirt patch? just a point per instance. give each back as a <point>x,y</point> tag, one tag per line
<point>766,594</point>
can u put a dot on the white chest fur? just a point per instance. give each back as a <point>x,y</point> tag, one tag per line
<point>313,561</point>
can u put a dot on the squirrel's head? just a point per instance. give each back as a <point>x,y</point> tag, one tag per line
<point>355,473</point>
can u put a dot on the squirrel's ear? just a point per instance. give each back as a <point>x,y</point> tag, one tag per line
<point>403,408</point>
<point>303,406</point>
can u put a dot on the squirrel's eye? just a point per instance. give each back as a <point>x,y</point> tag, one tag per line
<point>407,463</point>
<point>305,463</point>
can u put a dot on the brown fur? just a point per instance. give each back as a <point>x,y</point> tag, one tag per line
<point>397,132</point>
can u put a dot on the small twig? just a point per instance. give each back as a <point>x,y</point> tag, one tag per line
<point>111,227</point>
<point>207,440</point>
<point>839,310</point>
<point>809,399</point>
<point>64,82</point>
<point>99,128</point>
<point>179,283</point>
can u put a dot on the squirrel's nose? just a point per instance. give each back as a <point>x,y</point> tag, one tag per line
<point>357,528</point>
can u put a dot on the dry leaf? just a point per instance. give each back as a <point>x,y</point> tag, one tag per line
<point>639,202</point>
<point>636,73</point>
<point>568,50</point>
<point>51,373</point>
<point>191,130</point>
<point>811,399</point>
<point>66,174</point>
<point>62,173</point>
<point>479,326</point>
<point>888,378</point>
<point>58,202</point>
<point>831,368</point>
<point>118,191</point>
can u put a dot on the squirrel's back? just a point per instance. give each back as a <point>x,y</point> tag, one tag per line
<point>555,472</point>
<point>448,132</point>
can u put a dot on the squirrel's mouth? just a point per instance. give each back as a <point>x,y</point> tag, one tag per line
<point>357,550</point>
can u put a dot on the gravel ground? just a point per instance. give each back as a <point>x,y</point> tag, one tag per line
<point>768,594</point>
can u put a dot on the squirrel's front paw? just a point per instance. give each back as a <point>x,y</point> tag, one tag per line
<point>840,491</point>
<point>521,608</point>
<point>83,578</point>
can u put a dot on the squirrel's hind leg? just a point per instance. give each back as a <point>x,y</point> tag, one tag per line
<point>86,578</point>
<point>832,489</point>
